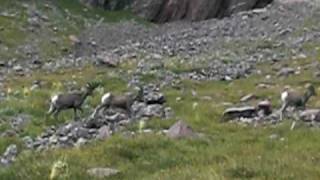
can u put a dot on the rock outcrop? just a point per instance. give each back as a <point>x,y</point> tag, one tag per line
<point>161,11</point>
<point>171,10</point>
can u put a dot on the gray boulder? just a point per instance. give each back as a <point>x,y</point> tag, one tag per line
<point>239,112</point>
<point>180,130</point>
<point>310,115</point>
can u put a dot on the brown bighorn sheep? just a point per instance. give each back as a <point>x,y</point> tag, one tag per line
<point>294,99</point>
<point>73,100</point>
<point>121,101</point>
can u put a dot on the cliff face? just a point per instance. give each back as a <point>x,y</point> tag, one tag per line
<point>194,10</point>
<point>161,11</point>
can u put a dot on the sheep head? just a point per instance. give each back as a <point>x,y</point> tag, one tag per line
<point>311,89</point>
<point>91,86</point>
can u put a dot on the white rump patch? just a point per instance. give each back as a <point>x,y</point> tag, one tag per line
<point>105,97</point>
<point>284,96</point>
<point>54,98</point>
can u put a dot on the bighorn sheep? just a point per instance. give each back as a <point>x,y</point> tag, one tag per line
<point>294,99</point>
<point>73,100</point>
<point>119,101</point>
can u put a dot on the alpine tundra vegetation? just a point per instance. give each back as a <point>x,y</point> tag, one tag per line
<point>194,63</point>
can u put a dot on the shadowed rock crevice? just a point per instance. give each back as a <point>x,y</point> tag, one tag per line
<point>161,11</point>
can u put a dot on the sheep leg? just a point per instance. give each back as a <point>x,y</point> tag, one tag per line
<point>75,116</point>
<point>296,117</point>
<point>56,113</point>
<point>129,110</point>
<point>52,109</point>
<point>80,109</point>
<point>283,108</point>
<point>293,125</point>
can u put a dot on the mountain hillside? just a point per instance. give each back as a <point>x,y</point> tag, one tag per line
<point>91,90</point>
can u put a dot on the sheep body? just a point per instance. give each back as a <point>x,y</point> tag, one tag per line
<point>291,98</point>
<point>109,100</point>
<point>73,100</point>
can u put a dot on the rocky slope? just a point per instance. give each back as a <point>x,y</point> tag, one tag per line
<point>210,50</point>
<point>214,49</point>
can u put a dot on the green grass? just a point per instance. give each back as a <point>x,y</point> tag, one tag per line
<point>69,17</point>
<point>77,9</point>
<point>227,151</point>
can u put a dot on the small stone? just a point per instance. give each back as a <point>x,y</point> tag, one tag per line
<point>80,142</point>
<point>180,130</point>
<point>206,98</point>
<point>9,156</point>
<point>108,60</point>
<point>34,87</point>
<point>248,97</point>
<point>286,72</point>
<point>268,77</point>
<point>274,136</point>
<point>147,131</point>
<point>64,139</point>
<point>53,139</point>
<point>18,68</point>
<point>102,172</point>
<point>154,110</point>
<point>156,56</point>
<point>74,39</point>
<point>263,86</point>
<point>228,78</point>
<point>302,56</point>
<point>28,142</point>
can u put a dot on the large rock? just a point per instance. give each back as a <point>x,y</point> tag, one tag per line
<point>239,112</point>
<point>310,115</point>
<point>194,10</point>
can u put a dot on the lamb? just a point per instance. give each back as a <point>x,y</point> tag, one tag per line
<point>124,102</point>
<point>294,99</point>
<point>73,100</point>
